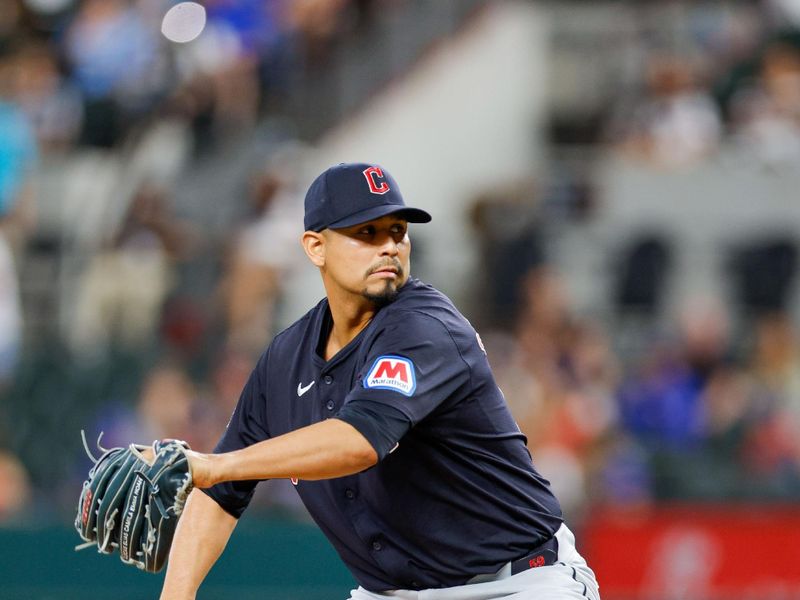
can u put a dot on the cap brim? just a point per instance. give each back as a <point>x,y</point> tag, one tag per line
<point>412,215</point>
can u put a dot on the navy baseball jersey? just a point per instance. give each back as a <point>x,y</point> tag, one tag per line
<point>454,493</point>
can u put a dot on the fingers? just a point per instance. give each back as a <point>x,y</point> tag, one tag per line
<point>149,454</point>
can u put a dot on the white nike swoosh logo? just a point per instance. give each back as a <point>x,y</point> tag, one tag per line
<point>302,390</point>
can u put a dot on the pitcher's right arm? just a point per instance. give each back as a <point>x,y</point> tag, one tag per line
<point>201,536</point>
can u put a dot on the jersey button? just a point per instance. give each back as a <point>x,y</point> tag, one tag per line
<point>328,379</point>
<point>330,405</point>
<point>376,545</point>
<point>350,494</point>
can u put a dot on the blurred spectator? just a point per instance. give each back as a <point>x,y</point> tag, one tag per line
<point>249,27</point>
<point>675,123</point>
<point>263,250</point>
<point>766,115</point>
<point>776,359</point>
<point>18,148</point>
<point>125,285</point>
<point>166,408</point>
<point>315,24</point>
<point>772,448</point>
<point>18,152</point>
<point>52,104</point>
<point>15,489</point>
<point>661,403</point>
<point>115,63</point>
<point>771,456</point>
<point>729,404</point>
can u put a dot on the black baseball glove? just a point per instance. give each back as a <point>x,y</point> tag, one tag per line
<point>132,500</point>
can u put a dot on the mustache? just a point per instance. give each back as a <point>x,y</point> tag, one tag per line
<point>392,262</point>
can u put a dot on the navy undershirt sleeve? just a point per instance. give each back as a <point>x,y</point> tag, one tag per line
<point>382,425</point>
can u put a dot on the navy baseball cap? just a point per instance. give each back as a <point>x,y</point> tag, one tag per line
<point>351,193</point>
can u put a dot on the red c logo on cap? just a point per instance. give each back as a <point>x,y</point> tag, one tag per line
<point>376,181</point>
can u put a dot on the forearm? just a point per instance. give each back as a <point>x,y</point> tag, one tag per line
<point>331,448</point>
<point>201,536</point>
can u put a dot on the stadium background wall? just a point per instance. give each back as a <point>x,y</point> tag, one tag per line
<point>264,559</point>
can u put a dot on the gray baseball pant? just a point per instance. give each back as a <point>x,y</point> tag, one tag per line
<point>570,578</point>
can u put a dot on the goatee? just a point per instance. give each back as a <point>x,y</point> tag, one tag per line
<point>390,290</point>
<point>384,297</point>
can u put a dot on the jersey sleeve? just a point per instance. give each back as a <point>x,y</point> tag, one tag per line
<point>413,366</point>
<point>246,427</point>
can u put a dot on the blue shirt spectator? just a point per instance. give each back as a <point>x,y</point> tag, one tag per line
<point>664,405</point>
<point>109,46</point>
<point>17,154</point>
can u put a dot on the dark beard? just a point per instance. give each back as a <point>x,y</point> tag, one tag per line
<point>389,292</point>
<point>382,298</point>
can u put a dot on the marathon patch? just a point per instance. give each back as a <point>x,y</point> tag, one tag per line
<point>392,373</point>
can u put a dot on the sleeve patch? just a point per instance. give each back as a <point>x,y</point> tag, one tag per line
<point>392,373</point>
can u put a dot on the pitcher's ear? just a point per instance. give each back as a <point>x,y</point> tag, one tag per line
<point>314,246</point>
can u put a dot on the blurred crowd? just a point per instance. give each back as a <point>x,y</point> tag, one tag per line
<point>732,74</point>
<point>697,415</point>
<point>707,407</point>
<point>94,73</point>
<point>635,403</point>
<point>632,403</point>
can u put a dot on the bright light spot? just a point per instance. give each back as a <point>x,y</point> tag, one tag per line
<point>184,22</point>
